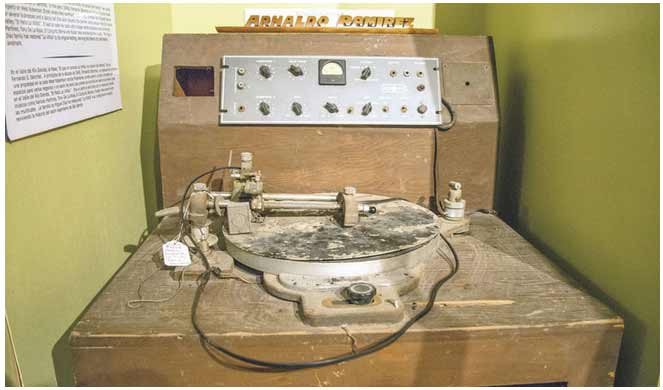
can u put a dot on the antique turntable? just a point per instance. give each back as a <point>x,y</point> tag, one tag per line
<point>344,257</point>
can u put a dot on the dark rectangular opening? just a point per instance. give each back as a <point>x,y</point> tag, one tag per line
<point>194,81</point>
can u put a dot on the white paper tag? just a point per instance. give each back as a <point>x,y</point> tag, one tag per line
<point>176,254</point>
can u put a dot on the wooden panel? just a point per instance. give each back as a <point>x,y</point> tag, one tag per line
<point>508,317</point>
<point>393,161</point>
<point>318,159</point>
<point>455,358</point>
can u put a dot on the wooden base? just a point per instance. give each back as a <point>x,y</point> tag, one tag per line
<point>508,317</point>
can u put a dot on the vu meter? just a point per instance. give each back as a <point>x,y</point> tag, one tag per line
<point>331,72</point>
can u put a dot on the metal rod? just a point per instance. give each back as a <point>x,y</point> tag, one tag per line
<point>223,195</point>
<point>301,205</point>
<point>311,197</point>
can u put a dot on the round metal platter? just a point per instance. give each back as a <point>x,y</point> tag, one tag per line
<point>308,242</point>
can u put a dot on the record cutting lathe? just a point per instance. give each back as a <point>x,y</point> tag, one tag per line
<point>346,257</point>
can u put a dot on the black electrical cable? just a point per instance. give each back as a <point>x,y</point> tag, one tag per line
<point>452,113</point>
<point>287,366</point>
<point>442,127</point>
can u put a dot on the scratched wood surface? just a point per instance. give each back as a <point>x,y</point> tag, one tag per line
<point>394,161</point>
<point>509,316</point>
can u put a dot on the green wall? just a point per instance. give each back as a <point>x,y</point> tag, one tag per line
<point>579,148</point>
<point>579,95</point>
<point>75,203</point>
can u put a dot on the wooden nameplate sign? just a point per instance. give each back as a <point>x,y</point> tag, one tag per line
<point>323,24</point>
<point>347,30</point>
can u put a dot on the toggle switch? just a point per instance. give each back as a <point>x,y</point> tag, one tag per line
<point>365,73</point>
<point>265,71</point>
<point>366,109</point>
<point>296,70</point>
<point>297,108</point>
<point>331,107</point>
<point>264,108</point>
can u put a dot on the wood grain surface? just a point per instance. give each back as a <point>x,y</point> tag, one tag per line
<point>508,317</point>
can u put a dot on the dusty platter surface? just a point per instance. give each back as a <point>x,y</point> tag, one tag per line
<point>398,226</point>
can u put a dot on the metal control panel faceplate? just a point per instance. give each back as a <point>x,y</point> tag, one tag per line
<point>310,90</point>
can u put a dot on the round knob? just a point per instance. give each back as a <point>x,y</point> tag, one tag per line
<point>265,71</point>
<point>366,109</point>
<point>365,73</point>
<point>296,70</point>
<point>297,108</point>
<point>422,109</point>
<point>360,293</point>
<point>331,107</point>
<point>264,108</point>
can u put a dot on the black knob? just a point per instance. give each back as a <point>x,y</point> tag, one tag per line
<point>365,73</point>
<point>297,108</point>
<point>360,293</point>
<point>296,70</point>
<point>265,71</point>
<point>366,109</point>
<point>331,107</point>
<point>264,108</point>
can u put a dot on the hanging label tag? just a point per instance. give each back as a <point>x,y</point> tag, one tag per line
<point>176,254</point>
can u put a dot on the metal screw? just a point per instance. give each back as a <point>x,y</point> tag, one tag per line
<point>241,85</point>
<point>241,71</point>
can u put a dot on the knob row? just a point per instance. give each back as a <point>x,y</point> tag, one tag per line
<point>266,72</point>
<point>332,108</point>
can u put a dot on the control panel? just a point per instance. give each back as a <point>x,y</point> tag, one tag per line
<point>330,90</point>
